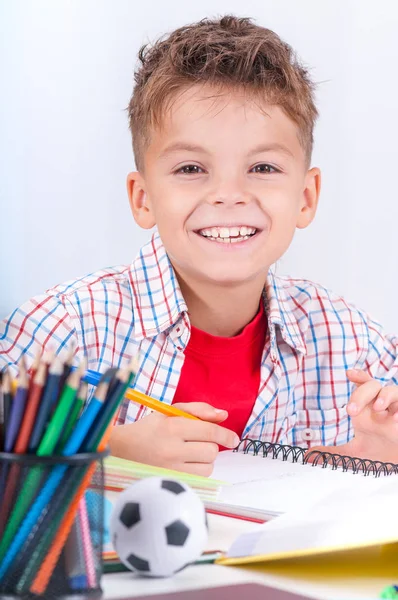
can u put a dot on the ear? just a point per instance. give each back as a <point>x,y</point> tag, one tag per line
<point>309,204</point>
<point>139,201</point>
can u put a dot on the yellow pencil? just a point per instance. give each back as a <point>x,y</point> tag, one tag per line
<point>166,409</point>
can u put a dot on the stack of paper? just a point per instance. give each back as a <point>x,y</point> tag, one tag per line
<point>120,473</point>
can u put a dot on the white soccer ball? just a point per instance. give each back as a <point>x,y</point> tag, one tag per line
<point>158,526</point>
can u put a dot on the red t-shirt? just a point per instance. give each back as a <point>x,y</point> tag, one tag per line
<point>224,372</point>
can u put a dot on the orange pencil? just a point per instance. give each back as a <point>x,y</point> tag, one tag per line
<point>162,407</point>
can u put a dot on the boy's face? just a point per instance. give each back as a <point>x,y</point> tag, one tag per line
<point>226,184</point>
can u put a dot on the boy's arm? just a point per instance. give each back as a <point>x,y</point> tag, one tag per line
<point>43,323</point>
<point>373,405</point>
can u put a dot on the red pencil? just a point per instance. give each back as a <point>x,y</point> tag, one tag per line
<point>32,405</point>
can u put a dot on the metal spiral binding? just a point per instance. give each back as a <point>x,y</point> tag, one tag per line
<point>315,458</point>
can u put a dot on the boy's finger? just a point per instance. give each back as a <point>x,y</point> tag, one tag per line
<point>203,411</point>
<point>362,396</point>
<point>358,376</point>
<point>200,452</point>
<point>202,431</point>
<point>202,469</point>
<point>386,397</point>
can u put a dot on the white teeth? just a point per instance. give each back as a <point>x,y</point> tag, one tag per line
<point>228,234</point>
<point>224,232</point>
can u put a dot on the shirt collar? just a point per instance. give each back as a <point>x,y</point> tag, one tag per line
<point>280,306</point>
<point>157,299</point>
<point>159,304</point>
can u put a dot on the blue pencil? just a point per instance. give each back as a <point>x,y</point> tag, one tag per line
<point>47,403</point>
<point>17,409</point>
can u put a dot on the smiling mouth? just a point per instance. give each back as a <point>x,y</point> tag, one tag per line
<point>228,235</point>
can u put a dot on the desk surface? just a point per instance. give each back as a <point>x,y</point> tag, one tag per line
<point>222,532</point>
<point>200,576</point>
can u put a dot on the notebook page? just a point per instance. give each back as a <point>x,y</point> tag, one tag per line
<point>345,518</point>
<point>275,486</point>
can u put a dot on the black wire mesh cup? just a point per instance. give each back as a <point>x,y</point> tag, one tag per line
<point>36,570</point>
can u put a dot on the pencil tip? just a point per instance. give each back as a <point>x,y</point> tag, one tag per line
<point>48,356</point>
<point>134,363</point>
<point>70,355</point>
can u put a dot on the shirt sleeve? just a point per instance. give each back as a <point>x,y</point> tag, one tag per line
<point>381,360</point>
<point>41,324</point>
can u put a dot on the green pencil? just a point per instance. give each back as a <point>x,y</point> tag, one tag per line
<point>56,426</point>
<point>75,412</point>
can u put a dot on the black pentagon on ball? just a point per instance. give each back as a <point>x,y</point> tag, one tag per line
<point>130,514</point>
<point>137,563</point>
<point>177,533</point>
<point>172,486</point>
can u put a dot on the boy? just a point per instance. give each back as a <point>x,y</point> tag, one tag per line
<point>222,120</point>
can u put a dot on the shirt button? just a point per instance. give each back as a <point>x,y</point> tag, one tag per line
<point>178,329</point>
<point>307,434</point>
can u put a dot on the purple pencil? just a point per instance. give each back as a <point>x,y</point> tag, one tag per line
<point>17,408</point>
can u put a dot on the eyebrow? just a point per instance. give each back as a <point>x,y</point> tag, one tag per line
<point>273,147</point>
<point>188,147</point>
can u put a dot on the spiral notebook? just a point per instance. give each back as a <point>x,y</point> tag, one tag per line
<point>266,480</point>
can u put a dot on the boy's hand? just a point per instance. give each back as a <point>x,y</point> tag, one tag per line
<point>175,442</point>
<point>374,413</point>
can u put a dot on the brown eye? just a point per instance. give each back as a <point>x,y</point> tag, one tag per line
<point>190,170</point>
<point>264,168</point>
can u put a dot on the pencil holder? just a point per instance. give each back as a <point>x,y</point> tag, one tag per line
<point>51,526</point>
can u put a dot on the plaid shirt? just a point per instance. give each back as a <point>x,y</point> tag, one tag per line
<point>313,338</point>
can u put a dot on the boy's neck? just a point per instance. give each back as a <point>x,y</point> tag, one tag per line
<point>222,310</point>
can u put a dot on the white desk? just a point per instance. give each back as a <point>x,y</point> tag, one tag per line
<point>222,532</point>
<point>200,576</point>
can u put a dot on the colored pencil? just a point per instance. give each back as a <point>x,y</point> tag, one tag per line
<point>92,377</point>
<point>49,399</point>
<point>124,377</point>
<point>17,408</point>
<point>161,407</point>
<point>51,484</point>
<point>47,566</point>
<point>11,475</point>
<point>68,365</point>
<point>74,414</point>
<point>2,431</point>
<point>74,557</point>
<point>32,404</point>
<point>82,518</point>
<point>35,365</point>
<point>7,399</point>
<point>21,445</point>
<point>60,416</point>
<point>35,473</point>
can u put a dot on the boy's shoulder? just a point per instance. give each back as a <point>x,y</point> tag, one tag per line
<point>306,295</point>
<point>308,305</point>
<point>103,280</point>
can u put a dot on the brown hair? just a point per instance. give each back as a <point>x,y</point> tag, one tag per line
<point>229,52</point>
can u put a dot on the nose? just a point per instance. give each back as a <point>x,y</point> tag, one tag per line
<point>229,192</point>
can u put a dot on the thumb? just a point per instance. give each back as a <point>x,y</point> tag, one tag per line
<point>203,411</point>
<point>358,376</point>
